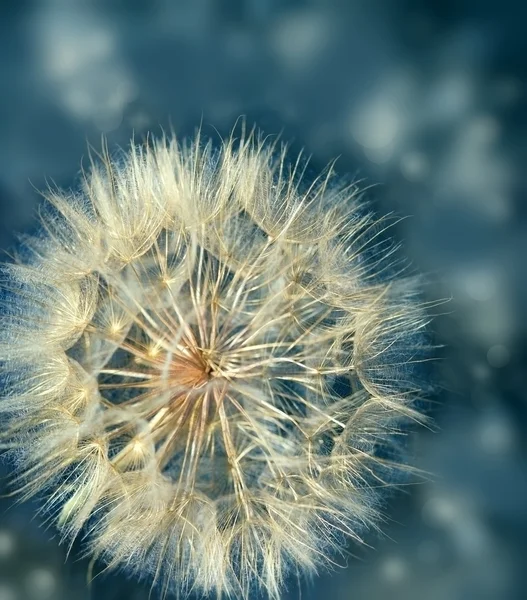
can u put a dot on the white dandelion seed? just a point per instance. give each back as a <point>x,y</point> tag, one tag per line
<point>205,363</point>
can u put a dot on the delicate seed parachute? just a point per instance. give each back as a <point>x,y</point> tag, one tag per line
<point>206,363</point>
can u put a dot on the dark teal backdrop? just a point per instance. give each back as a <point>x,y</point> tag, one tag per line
<point>426,99</point>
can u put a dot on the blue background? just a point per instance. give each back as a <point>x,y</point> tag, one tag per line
<point>425,99</point>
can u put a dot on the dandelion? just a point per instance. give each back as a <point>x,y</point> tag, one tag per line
<point>206,364</point>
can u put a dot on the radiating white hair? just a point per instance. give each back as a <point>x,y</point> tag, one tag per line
<point>206,362</point>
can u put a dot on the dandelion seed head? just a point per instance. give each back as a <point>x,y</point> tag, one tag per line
<point>207,360</point>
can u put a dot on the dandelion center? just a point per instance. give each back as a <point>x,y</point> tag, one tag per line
<point>212,361</point>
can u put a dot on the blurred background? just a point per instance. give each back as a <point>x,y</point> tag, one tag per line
<point>427,99</point>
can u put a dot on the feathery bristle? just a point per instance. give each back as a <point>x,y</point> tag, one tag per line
<point>206,361</point>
